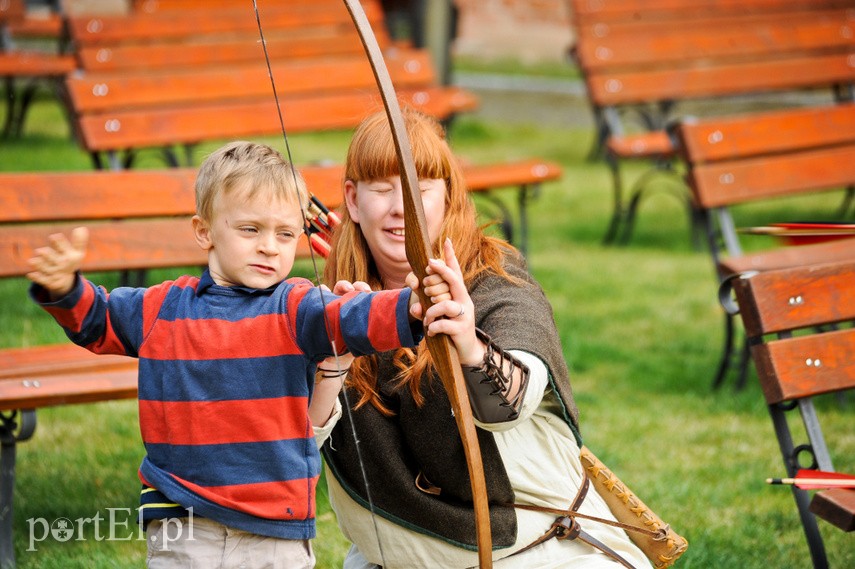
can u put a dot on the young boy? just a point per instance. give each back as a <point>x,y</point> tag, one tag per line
<point>227,365</point>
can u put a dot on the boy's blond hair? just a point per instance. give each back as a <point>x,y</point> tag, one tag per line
<point>252,167</point>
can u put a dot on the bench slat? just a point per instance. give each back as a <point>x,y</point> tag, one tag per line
<point>806,296</point>
<point>36,361</point>
<point>615,88</point>
<point>770,37</point>
<point>729,183</point>
<point>101,29</point>
<point>769,133</point>
<point>129,129</point>
<point>836,506</point>
<point>164,55</point>
<point>35,64</point>
<point>69,388</point>
<point>788,257</point>
<point>92,92</point>
<point>54,196</point>
<point>589,13</point>
<point>785,373</point>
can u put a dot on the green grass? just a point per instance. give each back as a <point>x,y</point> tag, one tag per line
<point>641,330</point>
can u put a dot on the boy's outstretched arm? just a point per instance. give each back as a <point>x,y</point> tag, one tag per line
<point>55,266</point>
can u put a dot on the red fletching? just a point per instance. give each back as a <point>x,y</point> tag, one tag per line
<point>320,245</point>
<point>320,224</point>
<point>816,479</point>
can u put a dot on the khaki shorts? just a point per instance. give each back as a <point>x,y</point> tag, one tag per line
<point>183,543</point>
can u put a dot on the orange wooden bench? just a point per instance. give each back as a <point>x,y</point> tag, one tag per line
<point>219,89</point>
<point>759,157</point>
<point>800,323</point>
<point>22,62</point>
<point>639,60</point>
<point>136,91</point>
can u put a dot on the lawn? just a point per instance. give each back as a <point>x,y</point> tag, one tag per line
<point>641,329</point>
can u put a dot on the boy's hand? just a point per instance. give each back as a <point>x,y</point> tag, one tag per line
<point>55,266</point>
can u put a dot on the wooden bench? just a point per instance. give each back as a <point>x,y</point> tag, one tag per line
<point>759,157</point>
<point>182,107</point>
<point>639,60</point>
<point>800,324</point>
<point>220,88</point>
<point>22,61</point>
<point>136,91</point>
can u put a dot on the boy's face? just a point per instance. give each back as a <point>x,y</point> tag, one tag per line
<point>251,242</point>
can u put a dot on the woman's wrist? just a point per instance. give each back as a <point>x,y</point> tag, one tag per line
<point>475,357</point>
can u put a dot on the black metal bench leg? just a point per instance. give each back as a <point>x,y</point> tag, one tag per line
<point>727,352</point>
<point>617,201</point>
<point>27,96</point>
<point>742,371</point>
<point>11,107</point>
<point>525,193</point>
<point>15,426</point>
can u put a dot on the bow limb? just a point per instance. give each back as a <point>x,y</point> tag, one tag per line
<point>418,248</point>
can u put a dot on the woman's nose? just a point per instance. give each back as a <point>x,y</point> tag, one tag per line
<point>397,206</point>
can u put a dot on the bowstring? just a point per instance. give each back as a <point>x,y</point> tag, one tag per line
<point>304,211</point>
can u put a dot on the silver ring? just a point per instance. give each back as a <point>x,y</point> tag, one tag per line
<point>462,312</point>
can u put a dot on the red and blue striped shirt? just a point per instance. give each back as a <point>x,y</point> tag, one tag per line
<point>225,379</point>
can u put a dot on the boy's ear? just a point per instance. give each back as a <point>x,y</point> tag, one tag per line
<point>350,200</point>
<point>202,233</point>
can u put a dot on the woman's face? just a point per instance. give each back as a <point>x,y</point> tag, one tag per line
<point>378,207</point>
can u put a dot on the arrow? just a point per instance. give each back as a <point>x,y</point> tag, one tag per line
<point>814,479</point>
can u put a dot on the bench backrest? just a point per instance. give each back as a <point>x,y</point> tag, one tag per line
<point>761,156</point>
<point>641,63</point>
<point>176,100</point>
<point>94,92</point>
<point>137,220</point>
<point>650,55</point>
<point>813,301</point>
<point>800,323</point>
<point>140,219</point>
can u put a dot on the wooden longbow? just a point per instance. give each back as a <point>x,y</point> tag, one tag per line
<point>418,249</point>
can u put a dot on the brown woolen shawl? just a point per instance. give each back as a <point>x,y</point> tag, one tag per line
<point>425,439</point>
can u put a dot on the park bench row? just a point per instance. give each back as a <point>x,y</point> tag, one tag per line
<point>138,220</point>
<point>641,60</point>
<point>172,75</point>
<point>774,160</point>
